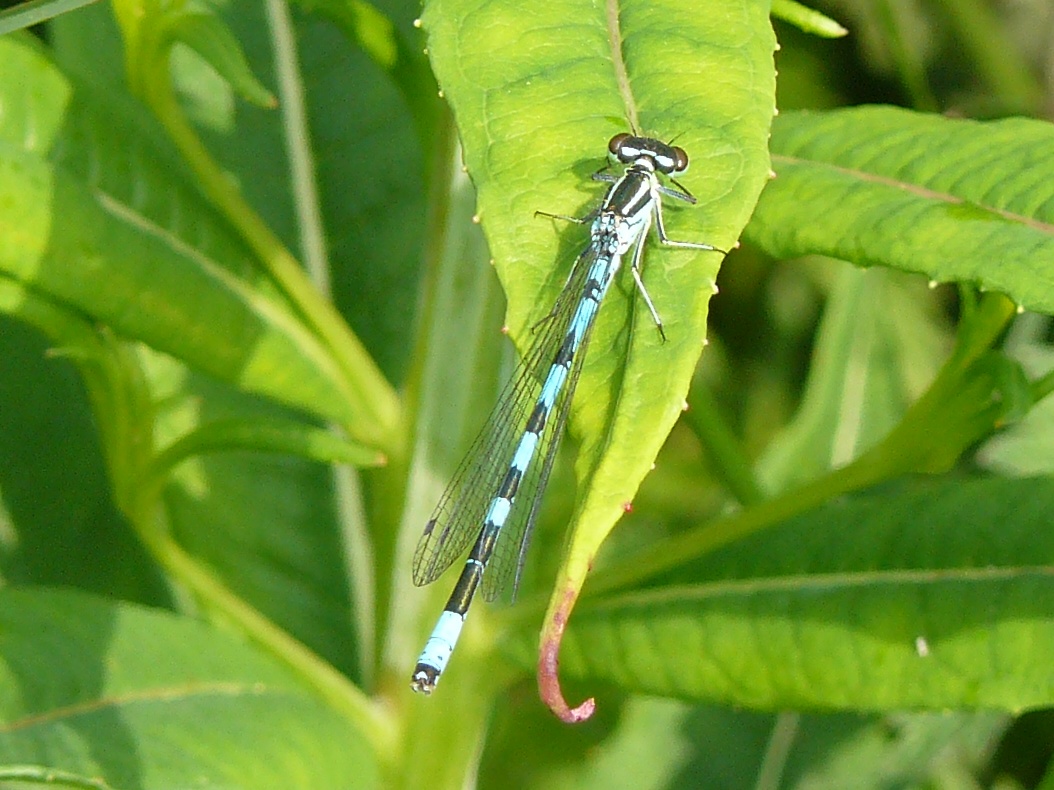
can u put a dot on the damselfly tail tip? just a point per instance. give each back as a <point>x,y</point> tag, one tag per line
<point>424,679</point>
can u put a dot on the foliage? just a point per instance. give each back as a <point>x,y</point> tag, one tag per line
<point>249,325</point>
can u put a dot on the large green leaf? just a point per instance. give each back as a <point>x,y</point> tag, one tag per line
<point>97,220</point>
<point>932,594</point>
<point>124,694</point>
<point>956,200</point>
<point>537,91</point>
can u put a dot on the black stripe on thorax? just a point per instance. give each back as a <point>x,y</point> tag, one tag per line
<point>631,192</point>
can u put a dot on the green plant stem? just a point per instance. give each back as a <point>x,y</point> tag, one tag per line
<point>380,427</point>
<point>261,435</point>
<point>394,490</point>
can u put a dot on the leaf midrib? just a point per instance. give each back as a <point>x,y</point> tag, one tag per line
<point>614,29</point>
<point>182,692</point>
<point>814,582</point>
<point>915,189</point>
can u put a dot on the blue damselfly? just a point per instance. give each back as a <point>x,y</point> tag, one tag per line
<point>496,492</point>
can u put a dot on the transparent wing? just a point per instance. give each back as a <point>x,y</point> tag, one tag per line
<point>511,548</point>
<point>458,517</point>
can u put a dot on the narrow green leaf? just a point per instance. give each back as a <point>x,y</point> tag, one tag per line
<point>534,123</point>
<point>126,695</point>
<point>34,12</point>
<point>956,200</point>
<point>272,435</point>
<point>807,19</point>
<point>933,594</point>
<point>205,33</point>
<point>39,774</point>
<point>151,29</point>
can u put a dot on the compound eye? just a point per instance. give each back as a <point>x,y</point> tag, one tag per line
<point>680,163</point>
<point>616,143</point>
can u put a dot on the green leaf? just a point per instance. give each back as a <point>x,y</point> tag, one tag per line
<point>151,28</point>
<point>34,12</point>
<point>807,19</point>
<point>95,219</point>
<point>534,124</point>
<point>270,526</point>
<point>930,594</point>
<point>956,200</point>
<point>120,693</point>
<point>205,33</point>
<point>272,435</point>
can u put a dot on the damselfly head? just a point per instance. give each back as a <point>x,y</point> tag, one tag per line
<point>663,157</point>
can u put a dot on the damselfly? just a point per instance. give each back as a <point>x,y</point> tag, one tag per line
<point>496,491</point>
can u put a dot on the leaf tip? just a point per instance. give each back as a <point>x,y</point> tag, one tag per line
<point>549,666</point>
<point>551,694</point>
